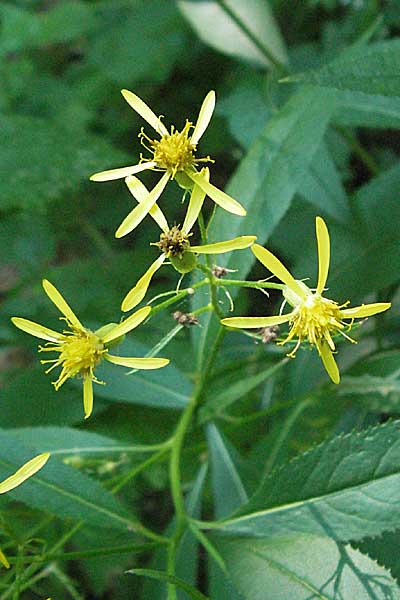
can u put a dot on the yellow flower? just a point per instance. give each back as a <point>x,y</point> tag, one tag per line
<point>174,241</point>
<point>314,318</point>
<point>173,153</point>
<point>23,473</point>
<point>81,350</point>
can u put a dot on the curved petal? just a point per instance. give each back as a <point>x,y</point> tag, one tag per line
<point>139,212</point>
<point>197,198</point>
<point>274,265</point>
<point>39,331</point>
<point>137,363</point>
<point>205,114</point>
<point>138,292</point>
<point>323,253</point>
<point>24,472</point>
<point>328,361</point>
<point>365,310</point>
<point>144,111</point>
<point>238,243</point>
<point>219,197</point>
<point>130,323</point>
<point>87,396</point>
<point>122,172</point>
<point>140,192</point>
<point>62,305</point>
<point>255,322</point>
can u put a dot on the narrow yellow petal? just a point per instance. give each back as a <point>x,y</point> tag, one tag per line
<point>274,265</point>
<point>61,304</point>
<point>3,560</point>
<point>323,253</point>
<point>87,396</point>
<point>23,473</point>
<point>238,243</point>
<point>122,172</point>
<point>205,114</point>
<point>44,333</point>
<point>219,197</point>
<point>365,310</point>
<point>140,192</point>
<point>255,322</point>
<point>195,203</point>
<point>137,363</point>
<point>138,292</point>
<point>328,361</point>
<point>139,212</point>
<point>130,323</point>
<point>144,111</point>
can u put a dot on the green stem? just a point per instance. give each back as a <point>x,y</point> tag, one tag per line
<point>359,151</point>
<point>179,296</point>
<point>127,477</point>
<point>250,284</point>
<point>263,49</point>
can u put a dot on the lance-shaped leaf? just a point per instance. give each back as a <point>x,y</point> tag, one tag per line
<point>346,488</point>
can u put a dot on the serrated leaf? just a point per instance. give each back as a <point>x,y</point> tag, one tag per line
<point>345,488</point>
<point>59,164</point>
<point>241,28</point>
<point>304,567</point>
<point>62,490</point>
<point>370,69</point>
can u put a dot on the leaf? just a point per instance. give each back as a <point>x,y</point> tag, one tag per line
<point>62,490</point>
<point>369,69</point>
<point>304,567</point>
<point>160,575</point>
<point>162,388</point>
<point>220,401</point>
<point>59,165</point>
<point>357,109</point>
<point>344,488</point>
<point>238,28</point>
<point>228,489</point>
<point>140,43</point>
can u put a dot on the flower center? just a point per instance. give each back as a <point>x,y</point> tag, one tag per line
<point>174,151</point>
<point>81,350</point>
<point>315,319</point>
<point>174,243</point>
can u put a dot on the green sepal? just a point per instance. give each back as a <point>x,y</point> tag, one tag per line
<point>185,264</point>
<point>184,181</point>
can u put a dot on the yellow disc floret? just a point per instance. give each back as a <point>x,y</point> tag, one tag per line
<point>80,350</point>
<point>315,319</point>
<point>174,152</point>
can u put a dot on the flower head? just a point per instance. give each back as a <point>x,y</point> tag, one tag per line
<point>175,154</point>
<point>314,318</point>
<point>23,473</point>
<point>80,350</point>
<point>175,241</point>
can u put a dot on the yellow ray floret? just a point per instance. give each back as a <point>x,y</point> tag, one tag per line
<point>174,153</point>
<point>174,242</point>
<point>314,318</point>
<point>79,349</point>
<point>27,470</point>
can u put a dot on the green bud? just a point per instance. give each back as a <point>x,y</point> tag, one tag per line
<point>185,264</point>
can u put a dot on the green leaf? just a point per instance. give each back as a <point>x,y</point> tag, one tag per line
<point>228,489</point>
<point>220,401</point>
<point>140,43</point>
<point>370,69</point>
<point>304,567</point>
<point>357,109</point>
<point>317,493</point>
<point>239,28</point>
<point>61,490</point>
<point>160,575</point>
<point>163,388</point>
<point>59,164</point>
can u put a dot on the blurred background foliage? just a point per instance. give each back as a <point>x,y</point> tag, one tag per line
<point>62,65</point>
